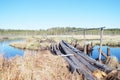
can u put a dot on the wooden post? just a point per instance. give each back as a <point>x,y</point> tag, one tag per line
<point>103,53</point>
<point>101,34</point>
<point>84,41</point>
<point>88,49</point>
<point>85,49</point>
<point>91,44</point>
<point>108,51</point>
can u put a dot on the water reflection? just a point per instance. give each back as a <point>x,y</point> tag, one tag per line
<point>9,51</point>
<point>115,51</point>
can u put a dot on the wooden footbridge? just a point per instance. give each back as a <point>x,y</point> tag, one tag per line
<point>81,63</point>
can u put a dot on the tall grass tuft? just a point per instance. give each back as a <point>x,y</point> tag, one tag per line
<point>36,66</point>
<point>112,62</point>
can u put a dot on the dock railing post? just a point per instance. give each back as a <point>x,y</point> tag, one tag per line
<point>101,35</point>
<point>85,41</point>
<point>108,51</point>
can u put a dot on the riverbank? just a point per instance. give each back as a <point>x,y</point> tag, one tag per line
<point>43,42</point>
<point>33,44</point>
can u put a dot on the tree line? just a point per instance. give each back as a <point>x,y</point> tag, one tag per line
<point>60,31</point>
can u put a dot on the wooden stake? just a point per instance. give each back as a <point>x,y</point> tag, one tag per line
<point>101,34</point>
<point>108,51</point>
<point>102,53</point>
<point>85,41</point>
<point>91,44</point>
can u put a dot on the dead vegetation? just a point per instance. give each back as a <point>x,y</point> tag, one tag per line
<point>36,66</point>
<point>112,62</point>
<point>33,44</point>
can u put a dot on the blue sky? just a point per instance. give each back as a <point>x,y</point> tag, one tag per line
<point>44,14</point>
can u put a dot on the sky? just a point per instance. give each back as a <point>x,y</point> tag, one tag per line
<point>44,14</point>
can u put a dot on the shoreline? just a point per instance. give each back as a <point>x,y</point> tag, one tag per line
<point>33,42</point>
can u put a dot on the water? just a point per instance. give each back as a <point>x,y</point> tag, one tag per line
<point>9,51</point>
<point>115,51</point>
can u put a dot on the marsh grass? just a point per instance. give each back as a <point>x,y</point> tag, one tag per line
<point>108,40</point>
<point>36,66</point>
<point>34,42</point>
<point>112,62</point>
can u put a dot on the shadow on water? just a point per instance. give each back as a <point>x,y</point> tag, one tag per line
<point>114,51</point>
<point>8,51</point>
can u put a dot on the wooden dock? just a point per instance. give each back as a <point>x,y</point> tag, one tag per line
<point>81,63</point>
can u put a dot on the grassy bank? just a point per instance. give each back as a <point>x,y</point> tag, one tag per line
<point>108,40</point>
<point>33,43</point>
<point>43,42</point>
<point>36,66</point>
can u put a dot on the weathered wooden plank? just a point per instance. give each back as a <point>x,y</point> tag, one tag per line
<point>73,67</point>
<point>86,63</point>
<point>66,55</point>
<point>102,53</point>
<point>52,49</point>
<point>91,60</point>
<point>108,51</point>
<point>80,62</point>
<point>81,67</point>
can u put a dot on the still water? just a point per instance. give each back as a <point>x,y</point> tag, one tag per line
<point>115,51</point>
<point>9,51</point>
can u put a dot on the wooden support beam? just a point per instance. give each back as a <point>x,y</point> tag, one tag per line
<point>81,59</point>
<point>91,44</point>
<point>85,51</point>
<point>66,55</point>
<point>85,41</point>
<point>89,59</point>
<point>101,34</point>
<point>102,53</point>
<point>81,68</point>
<point>80,62</point>
<point>108,51</point>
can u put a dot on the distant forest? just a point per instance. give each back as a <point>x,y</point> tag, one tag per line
<point>60,31</point>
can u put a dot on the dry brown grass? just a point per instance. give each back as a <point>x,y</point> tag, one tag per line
<point>36,66</point>
<point>109,40</point>
<point>112,62</point>
<point>20,45</point>
<point>34,43</point>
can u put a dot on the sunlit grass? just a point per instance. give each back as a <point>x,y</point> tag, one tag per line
<point>36,66</point>
<point>34,42</point>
